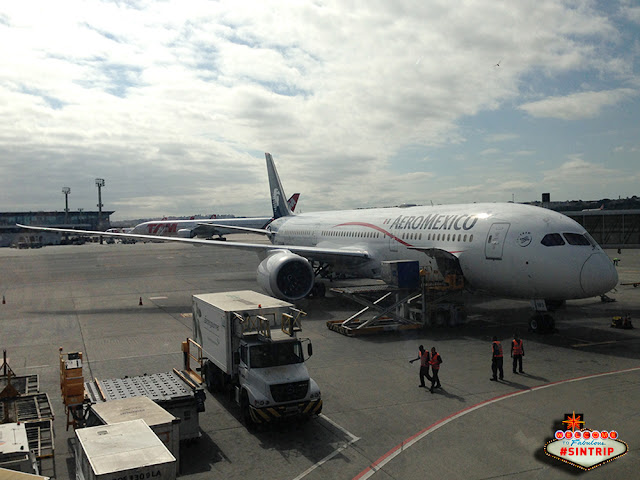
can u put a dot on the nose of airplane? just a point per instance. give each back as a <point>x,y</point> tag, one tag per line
<point>598,275</point>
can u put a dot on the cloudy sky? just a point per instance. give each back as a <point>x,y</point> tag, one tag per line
<point>361,103</point>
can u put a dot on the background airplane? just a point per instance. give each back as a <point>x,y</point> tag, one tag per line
<point>504,249</point>
<point>203,228</point>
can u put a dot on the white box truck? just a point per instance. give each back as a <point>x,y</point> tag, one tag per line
<point>249,343</point>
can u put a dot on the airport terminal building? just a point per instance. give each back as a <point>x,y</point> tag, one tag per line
<point>610,228</point>
<point>12,236</point>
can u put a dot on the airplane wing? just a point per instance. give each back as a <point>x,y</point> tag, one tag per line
<point>311,253</point>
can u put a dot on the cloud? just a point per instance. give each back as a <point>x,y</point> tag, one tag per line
<point>501,137</point>
<point>578,106</point>
<point>632,13</point>
<point>162,99</point>
<point>577,170</point>
<point>524,153</point>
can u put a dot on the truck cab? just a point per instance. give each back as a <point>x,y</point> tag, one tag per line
<point>276,380</point>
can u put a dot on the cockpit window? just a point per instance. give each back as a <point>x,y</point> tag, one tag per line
<point>552,240</point>
<point>576,239</point>
<point>591,240</point>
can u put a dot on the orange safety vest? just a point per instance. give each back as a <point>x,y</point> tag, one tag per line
<point>435,361</point>
<point>499,355</point>
<point>517,347</point>
<point>424,358</point>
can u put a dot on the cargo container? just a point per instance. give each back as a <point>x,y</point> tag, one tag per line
<point>13,475</point>
<point>401,273</point>
<point>164,425</point>
<point>14,449</point>
<point>125,450</point>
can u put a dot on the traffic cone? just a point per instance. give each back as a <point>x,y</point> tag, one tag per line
<point>140,302</point>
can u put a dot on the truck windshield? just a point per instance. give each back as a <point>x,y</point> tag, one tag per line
<point>274,354</point>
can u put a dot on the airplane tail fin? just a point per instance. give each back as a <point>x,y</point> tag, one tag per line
<point>293,201</point>
<point>278,198</point>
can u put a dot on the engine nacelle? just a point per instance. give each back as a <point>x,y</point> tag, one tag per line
<point>185,233</point>
<point>286,276</point>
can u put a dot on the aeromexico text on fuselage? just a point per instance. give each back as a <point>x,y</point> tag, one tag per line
<point>433,221</point>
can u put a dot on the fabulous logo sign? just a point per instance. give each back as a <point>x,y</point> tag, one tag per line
<point>584,448</point>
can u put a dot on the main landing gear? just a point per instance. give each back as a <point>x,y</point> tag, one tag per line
<point>318,290</point>
<point>542,322</point>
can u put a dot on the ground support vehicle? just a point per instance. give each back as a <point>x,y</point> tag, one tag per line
<point>239,347</point>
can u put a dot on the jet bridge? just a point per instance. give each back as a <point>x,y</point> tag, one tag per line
<point>407,305</point>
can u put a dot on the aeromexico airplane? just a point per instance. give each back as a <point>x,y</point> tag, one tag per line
<point>505,249</point>
<point>204,228</point>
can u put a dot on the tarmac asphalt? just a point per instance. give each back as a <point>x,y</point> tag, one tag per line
<point>376,422</point>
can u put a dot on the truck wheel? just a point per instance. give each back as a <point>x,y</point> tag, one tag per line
<point>244,409</point>
<point>212,377</point>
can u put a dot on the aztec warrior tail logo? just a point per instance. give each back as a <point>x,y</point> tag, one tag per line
<point>275,198</point>
<point>584,448</point>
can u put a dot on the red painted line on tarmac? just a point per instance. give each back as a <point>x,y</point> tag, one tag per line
<point>395,451</point>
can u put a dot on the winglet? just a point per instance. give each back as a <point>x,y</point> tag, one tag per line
<point>278,198</point>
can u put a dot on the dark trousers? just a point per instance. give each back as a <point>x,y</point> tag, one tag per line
<point>517,360</point>
<point>424,372</point>
<point>496,364</point>
<point>435,381</point>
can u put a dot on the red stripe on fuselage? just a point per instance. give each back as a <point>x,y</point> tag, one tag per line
<point>375,227</point>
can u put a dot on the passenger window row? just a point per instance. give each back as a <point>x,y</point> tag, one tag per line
<point>350,233</point>
<point>448,237</point>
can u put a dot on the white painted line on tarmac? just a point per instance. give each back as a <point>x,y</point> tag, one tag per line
<point>351,436</point>
<point>158,298</point>
<point>398,449</point>
<point>343,430</point>
<point>580,345</point>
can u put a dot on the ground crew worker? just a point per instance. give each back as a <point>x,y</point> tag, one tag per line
<point>435,362</point>
<point>496,360</point>
<point>517,352</point>
<point>423,356</point>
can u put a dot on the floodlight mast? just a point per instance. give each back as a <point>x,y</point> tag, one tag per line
<point>100,184</point>
<point>66,191</point>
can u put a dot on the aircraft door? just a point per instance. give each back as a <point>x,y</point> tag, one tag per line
<point>393,243</point>
<point>495,241</point>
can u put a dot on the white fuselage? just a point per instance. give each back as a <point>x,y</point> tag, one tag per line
<point>509,250</point>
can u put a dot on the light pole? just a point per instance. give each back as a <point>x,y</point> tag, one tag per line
<point>66,191</point>
<point>100,184</point>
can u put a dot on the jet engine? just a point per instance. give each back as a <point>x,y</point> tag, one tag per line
<point>185,233</point>
<point>285,275</point>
